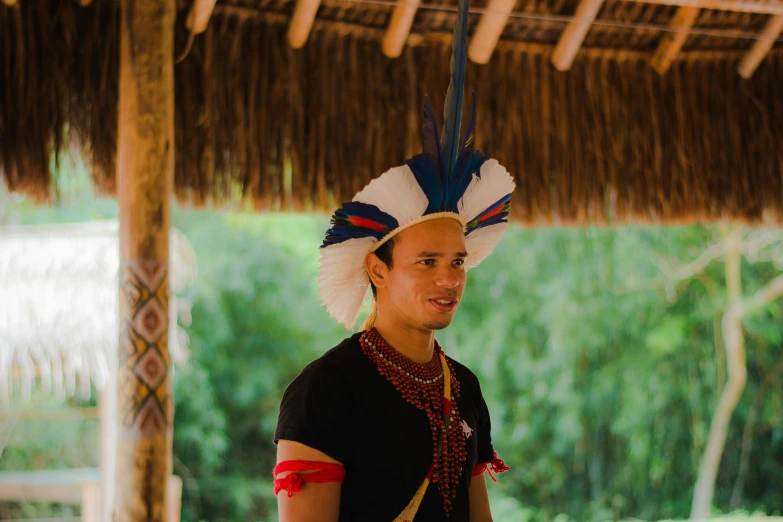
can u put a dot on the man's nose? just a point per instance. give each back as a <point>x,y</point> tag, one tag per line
<point>447,279</point>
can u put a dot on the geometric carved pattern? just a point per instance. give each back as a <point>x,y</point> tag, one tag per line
<point>145,403</point>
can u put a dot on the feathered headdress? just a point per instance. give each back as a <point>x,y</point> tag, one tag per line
<point>448,180</point>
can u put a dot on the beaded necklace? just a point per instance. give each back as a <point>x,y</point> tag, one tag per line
<point>423,386</point>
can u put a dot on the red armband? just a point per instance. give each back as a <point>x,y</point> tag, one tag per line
<point>302,471</point>
<point>496,465</point>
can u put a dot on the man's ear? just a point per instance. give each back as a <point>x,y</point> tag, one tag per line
<point>377,270</point>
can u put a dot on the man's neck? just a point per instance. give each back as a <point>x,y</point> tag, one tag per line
<point>414,344</point>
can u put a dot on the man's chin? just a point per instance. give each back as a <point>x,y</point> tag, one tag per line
<point>437,325</point>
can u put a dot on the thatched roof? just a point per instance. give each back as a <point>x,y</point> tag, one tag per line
<point>651,121</point>
<point>58,306</point>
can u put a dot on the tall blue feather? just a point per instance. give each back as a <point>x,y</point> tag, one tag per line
<point>427,174</point>
<point>429,132</point>
<point>470,128</point>
<point>469,163</point>
<point>452,111</point>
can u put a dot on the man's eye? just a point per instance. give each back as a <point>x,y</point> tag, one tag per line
<point>428,262</point>
<point>459,262</point>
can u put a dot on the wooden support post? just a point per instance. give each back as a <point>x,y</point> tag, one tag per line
<point>302,22</point>
<point>145,175</point>
<point>761,48</point>
<point>671,43</point>
<point>399,28</point>
<point>489,29</point>
<point>574,34</point>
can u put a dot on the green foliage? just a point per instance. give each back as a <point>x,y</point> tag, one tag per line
<point>601,376</point>
<point>256,323</point>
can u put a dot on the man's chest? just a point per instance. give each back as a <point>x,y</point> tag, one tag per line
<point>394,435</point>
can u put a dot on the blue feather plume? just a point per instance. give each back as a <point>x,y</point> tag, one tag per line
<point>452,110</point>
<point>445,169</point>
<point>356,220</point>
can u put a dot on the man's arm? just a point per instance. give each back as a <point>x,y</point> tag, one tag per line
<point>316,502</point>
<point>479,500</point>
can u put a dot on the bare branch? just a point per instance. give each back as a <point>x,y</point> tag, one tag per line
<point>760,299</point>
<point>764,245</point>
<point>691,269</point>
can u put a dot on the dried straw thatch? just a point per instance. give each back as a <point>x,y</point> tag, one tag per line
<point>610,140</point>
<point>59,306</point>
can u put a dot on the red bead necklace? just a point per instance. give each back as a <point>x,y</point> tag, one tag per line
<point>421,384</point>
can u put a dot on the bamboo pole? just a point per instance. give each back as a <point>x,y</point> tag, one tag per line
<point>737,6</point>
<point>574,34</point>
<point>761,48</point>
<point>107,427</point>
<point>302,22</point>
<point>671,43</point>
<point>145,176</point>
<point>489,29</point>
<point>59,414</point>
<point>399,28</point>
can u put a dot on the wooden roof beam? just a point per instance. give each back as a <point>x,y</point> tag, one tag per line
<point>671,43</point>
<point>771,7</point>
<point>198,17</point>
<point>574,34</point>
<point>399,28</point>
<point>302,22</point>
<point>762,46</point>
<point>489,29</point>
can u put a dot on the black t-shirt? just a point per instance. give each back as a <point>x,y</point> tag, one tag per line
<point>341,405</point>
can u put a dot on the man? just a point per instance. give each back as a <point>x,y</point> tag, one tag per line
<point>384,427</point>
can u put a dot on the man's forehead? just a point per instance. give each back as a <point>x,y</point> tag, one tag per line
<point>438,238</point>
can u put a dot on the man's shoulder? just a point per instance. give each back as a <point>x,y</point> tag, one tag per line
<point>344,356</point>
<point>468,380</point>
<point>462,371</point>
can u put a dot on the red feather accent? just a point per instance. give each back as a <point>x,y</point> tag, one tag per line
<point>366,223</point>
<point>493,213</point>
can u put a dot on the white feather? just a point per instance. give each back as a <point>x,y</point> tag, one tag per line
<point>343,280</point>
<point>397,193</point>
<point>482,242</point>
<point>494,183</point>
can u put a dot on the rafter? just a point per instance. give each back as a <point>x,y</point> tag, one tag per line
<point>671,43</point>
<point>302,22</point>
<point>399,28</point>
<point>489,29</point>
<point>762,47</point>
<point>738,6</point>
<point>198,17</point>
<point>574,34</point>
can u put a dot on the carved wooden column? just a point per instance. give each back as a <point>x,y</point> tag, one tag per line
<point>145,173</point>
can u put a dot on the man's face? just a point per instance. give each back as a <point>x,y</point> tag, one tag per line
<point>425,285</point>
